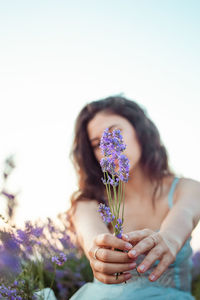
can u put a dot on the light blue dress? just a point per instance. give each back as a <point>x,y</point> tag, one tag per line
<point>174,283</point>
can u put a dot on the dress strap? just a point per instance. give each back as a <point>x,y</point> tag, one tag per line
<point>171,192</point>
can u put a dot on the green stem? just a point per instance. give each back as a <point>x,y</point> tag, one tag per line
<point>52,281</point>
<point>110,196</point>
<point>118,197</point>
<point>123,196</point>
<point>108,190</point>
<point>40,273</point>
<point>115,196</point>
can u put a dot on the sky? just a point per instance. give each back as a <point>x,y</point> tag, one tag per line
<point>56,56</point>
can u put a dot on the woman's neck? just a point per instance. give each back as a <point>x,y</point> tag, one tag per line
<point>139,185</point>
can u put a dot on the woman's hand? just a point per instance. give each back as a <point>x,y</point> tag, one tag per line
<point>105,261</point>
<point>156,246</point>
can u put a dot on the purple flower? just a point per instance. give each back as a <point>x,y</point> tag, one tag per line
<point>104,164</point>
<point>63,290</point>
<point>9,262</point>
<point>66,242</point>
<point>59,260</point>
<point>118,227</point>
<point>123,168</point>
<point>16,283</point>
<point>105,143</point>
<point>196,263</point>
<point>113,182</point>
<point>112,143</point>
<point>10,243</point>
<point>34,231</point>
<point>51,226</point>
<point>116,164</point>
<point>9,293</point>
<point>24,239</point>
<point>108,165</point>
<point>37,232</point>
<point>22,236</point>
<point>112,147</point>
<point>118,143</point>
<point>106,214</point>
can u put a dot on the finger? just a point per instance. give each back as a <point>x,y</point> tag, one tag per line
<point>155,254</point>
<point>108,240</point>
<point>136,235</point>
<point>109,268</point>
<point>161,267</point>
<point>111,279</point>
<point>112,256</point>
<point>144,245</point>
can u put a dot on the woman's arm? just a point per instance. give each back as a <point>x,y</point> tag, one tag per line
<point>184,214</point>
<point>175,229</point>
<point>88,224</point>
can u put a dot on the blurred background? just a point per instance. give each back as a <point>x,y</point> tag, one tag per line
<point>56,56</point>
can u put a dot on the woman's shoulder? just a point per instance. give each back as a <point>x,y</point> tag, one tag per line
<point>186,182</point>
<point>86,202</point>
<point>187,187</point>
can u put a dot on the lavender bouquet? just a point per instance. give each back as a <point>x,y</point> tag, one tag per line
<point>115,167</point>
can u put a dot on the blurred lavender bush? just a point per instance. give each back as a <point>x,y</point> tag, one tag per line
<point>37,256</point>
<point>196,275</point>
<point>41,255</point>
<point>10,197</point>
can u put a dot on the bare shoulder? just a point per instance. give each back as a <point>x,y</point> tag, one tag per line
<point>86,205</point>
<point>187,187</point>
<point>185,183</point>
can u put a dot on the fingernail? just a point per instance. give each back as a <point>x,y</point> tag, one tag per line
<point>141,268</point>
<point>128,246</point>
<point>127,276</point>
<point>126,236</point>
<point>133,252</point>
<point>152,277</point>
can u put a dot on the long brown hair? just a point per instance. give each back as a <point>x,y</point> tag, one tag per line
<point>154,160</point>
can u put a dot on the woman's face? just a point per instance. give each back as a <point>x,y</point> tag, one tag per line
<point>104,120</point>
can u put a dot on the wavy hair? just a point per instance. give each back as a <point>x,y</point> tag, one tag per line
<point>154,159</point>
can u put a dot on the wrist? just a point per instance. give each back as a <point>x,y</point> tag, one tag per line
<point>171,240</point>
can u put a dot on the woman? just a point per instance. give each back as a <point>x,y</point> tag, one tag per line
<point>161,210</point>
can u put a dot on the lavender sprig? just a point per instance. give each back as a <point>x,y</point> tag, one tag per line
<point>115,167</point>
<point>60,259</point>
<point>106,214</point>
<point>112,144</point>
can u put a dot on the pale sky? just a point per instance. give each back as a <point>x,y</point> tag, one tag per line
<point>56,56</point>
